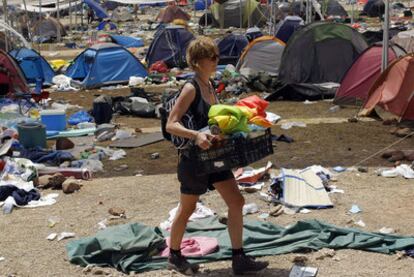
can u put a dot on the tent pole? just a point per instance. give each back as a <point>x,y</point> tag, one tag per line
<point>40,10</point>
<point>385,37</point>
<point>5,20</point>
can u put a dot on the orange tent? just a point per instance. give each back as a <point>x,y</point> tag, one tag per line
<point>393,91</point>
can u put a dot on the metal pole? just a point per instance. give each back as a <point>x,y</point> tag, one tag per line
<point>205,13</point>
<point>40,10</point>
<point>194,11</point>
<point>6,41</point>
<point>59,35</point>
<point>385,38</point>
<point>241,14</point>
<point>248,16</point>
<point>58,10</point>
<point>27,20</point>
<point>70,16</point>
<point>76,15</point>
<point>352,11</point>
<point>271,15</point>
<point>82,13</point>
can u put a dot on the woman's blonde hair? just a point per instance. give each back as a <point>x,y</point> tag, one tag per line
<point>200,48</point>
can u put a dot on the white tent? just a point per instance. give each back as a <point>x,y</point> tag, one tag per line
<point>262,54</point>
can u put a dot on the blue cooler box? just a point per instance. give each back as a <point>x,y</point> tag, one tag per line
<point>54,120</point>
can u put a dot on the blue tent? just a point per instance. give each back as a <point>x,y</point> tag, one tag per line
<point>169,45</point>
<point>287,27</point>
<point>99,11</point>
<point>105,25</point>
<point>105,64</point>
<point>231,47</point>
<point>200,5</point>
<point>33,66</point>
<point>127,41</point>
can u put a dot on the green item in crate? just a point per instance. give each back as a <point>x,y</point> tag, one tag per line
<point>230,119</point>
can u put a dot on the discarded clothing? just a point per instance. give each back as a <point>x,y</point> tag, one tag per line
<point>130,247</point>
<point>51,157</point>
<point>194,246</point>
<point>21,196</point>
<point>403,170</point>
<point>79,117</point>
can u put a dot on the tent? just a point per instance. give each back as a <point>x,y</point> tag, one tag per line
<point>227,14</point>
<point>11,77</point>
<point>99,11</point>
<point>171,13</point>
<point>334,8</point>
<point>320,52</point>
<point>405,40</point>
<point>373,8</point>
<point>121,14</point>
<point>231,47</point>
<point>373,37</point>
<point>48,29</point>
<point>363,73</point>
<point>200,5</point>
<point>105,64</point>
<point>262,54</point>
<point>169,45</point>
<point>33,65</point>
<point>106,25</point>
<point>393,90</point>
<point>287,27</point>
<point>127,41</point>
<point>14,38</point>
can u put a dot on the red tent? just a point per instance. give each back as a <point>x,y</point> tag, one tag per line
<point>170,13</point>
<point>11,77</point>
<point>394,90</point>
<point>363,73</point>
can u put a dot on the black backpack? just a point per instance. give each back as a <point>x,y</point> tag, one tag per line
<point>187,120</point>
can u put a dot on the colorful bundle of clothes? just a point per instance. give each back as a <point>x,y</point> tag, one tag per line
<point>238,118</point>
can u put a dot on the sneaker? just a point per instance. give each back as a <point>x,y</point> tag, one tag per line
<point>179,263</point>
<point>243,264</point>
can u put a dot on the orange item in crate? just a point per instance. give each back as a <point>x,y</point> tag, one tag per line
<point>254,102</point>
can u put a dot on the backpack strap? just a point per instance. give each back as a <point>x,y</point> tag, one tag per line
<point>194,105</point>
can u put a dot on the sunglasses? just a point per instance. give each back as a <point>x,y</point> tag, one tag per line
<point>214,58</point>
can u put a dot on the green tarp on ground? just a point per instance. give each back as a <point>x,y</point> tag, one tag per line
<point>131,247</point>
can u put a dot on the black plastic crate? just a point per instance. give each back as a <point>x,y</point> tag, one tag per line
<point>235,152</point>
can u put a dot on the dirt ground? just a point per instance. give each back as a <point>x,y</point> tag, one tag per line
<point>147,199</point>
<point>333,141</point>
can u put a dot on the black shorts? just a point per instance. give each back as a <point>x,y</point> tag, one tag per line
<point>191,183</point>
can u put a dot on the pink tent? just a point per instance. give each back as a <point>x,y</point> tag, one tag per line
<point>362,74</point>
<point>394,90</point>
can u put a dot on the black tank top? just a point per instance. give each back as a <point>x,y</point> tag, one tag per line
<point>199,108</point>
